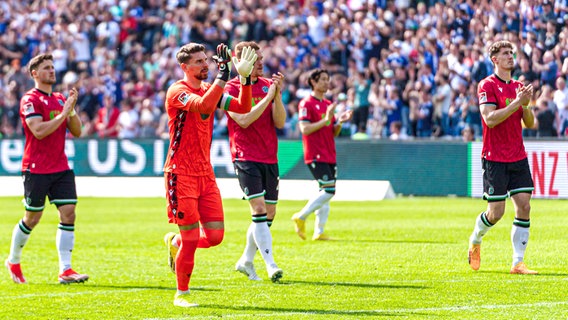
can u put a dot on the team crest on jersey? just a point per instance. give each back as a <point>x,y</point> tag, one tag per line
<point>183,98</point>
<point>303,113</point>
<point>482,97</point>
<point>265,89</point>
<point>28,109</point>
<point>61,103</point>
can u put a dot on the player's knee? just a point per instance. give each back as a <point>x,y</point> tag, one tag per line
<point>214,236</point>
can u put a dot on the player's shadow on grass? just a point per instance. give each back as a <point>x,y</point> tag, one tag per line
<point>135,287</point>
<point>297,312</point>
<point>353,284</point>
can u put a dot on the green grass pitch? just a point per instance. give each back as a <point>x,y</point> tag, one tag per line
<point>404,259</point>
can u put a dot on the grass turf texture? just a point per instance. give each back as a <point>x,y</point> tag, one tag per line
<point>404,258</point>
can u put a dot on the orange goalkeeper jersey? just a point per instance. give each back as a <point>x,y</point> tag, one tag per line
<point>190,120</point>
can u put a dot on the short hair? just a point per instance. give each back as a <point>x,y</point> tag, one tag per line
<point>497,46</point>
<point>37,60</point>
<point>243,44</point>
<point>315,75</point>
<point>185,52</point>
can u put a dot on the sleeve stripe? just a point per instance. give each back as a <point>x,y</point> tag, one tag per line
<point>225,101</point>
<point>34,115</point>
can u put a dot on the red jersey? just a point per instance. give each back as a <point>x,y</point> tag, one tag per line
<point>504,142</point>
<point>190,120</point>
<point>257,142</point>
<point>46,155</point>
<point>190,133</point>
<point>320,145</point>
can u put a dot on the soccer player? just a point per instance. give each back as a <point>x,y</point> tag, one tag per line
<point>254,148</point>
<point>46,117</point>
<point>319,127</point>
<point>504,103</point>
<point>191,190</point>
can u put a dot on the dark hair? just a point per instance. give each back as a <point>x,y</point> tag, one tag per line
<point>315,76</point>
<point>497,46</point>
<point>37,60</point>
<point>185,52</point>
<point>241,45</point>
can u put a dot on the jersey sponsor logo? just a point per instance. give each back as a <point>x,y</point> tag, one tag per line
<point>183,98</point>
<point>482,97</point>
<point>28,109</point>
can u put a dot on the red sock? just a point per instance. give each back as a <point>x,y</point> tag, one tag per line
<point>185,257</point>
<point>210,237</point>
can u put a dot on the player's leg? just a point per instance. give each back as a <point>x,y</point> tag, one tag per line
<point>521,189</point>
<point>211,216</point>
<point>319,225</point>
<point>63,194</point>
<point>35,191</point>
<point>495,182</point>
<point>185,261</point>
<point>325,177</point>
<point>250,180</point>
<point>182,206</point>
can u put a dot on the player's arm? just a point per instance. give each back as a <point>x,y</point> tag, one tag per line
<point>73,120</point>
<point>41,129</point>
<point>246,119</point>
<point>344,117</point>
<point>493,116</point>
<point>242,104</point>
<point>279,111</point>
<point>307,127</point>
<point>244,67</point>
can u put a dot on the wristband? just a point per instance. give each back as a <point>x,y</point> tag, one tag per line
<point>72,113</point>
<point>526,107</point>
<point>223,75</point>
<point>245,81</point>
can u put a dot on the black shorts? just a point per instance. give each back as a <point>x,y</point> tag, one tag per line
<point>258,180</point>
<point>324,173</point>
<point>59,187</point>
<point>502,179</point>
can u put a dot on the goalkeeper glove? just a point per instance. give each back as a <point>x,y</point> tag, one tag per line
<point>245,65</point>
<point>223,60</point>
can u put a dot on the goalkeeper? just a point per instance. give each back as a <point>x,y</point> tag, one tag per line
<point>193,198</point>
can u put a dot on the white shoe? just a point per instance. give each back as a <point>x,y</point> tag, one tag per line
<point>247,268</point>
<point>182,300</point>
<point>274,273</point>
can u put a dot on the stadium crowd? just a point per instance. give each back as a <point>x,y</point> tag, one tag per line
<point>408,69</point>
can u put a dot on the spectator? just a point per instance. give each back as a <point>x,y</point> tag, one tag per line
<point>106,120</point>
<point>545,120</point>
<point>128,126</point>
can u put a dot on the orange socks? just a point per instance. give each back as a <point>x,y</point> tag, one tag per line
<point>185,258</point>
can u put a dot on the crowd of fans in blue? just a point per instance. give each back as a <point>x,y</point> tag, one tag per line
<point>409,69</point>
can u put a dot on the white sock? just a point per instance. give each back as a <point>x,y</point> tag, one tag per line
<point>315,203</point>
<point>263,241</point>
<point>482,226</point>
<point>20,236</point>
<point>519,239</point>
<point>250,246</point>
<point>321,218</point>
<point>65,241</point>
